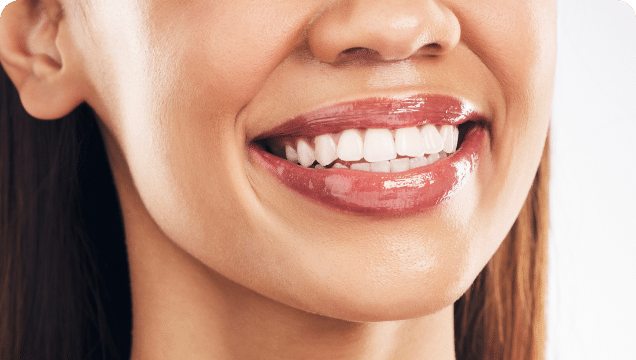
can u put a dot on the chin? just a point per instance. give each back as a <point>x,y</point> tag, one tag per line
<point>391,291</point>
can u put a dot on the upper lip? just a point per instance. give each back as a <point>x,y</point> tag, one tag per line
<point>379,112</point>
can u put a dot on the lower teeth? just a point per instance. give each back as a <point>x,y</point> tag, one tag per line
<point>396,165</point>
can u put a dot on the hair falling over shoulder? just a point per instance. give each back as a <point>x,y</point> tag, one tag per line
<point>64,287</point>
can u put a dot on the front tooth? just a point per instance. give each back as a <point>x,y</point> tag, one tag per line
<point>431,139</point>
<point>408,142</point>
<point>306,154</point>
<point>325,149</point>
<point>455,138</point>
<point>291,154</point>
<point>339,166</point>
<point>361,166</point>
<point>379,145</point>
<point>417,162</point>
<point>399,165</point>
<point>350,146</point>
<point>381,166</point>
<point>446,133</point>
<point>432,158</point>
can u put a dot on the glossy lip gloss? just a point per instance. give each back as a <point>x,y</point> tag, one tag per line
<point>372,193</point>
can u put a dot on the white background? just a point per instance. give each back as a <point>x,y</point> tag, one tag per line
<point>592,291</point>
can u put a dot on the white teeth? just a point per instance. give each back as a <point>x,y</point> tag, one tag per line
<point>379,145</point>
<point>417,162</point>
<point>361,166</point>
<point>408,142</point>
<point>325,149</point>
<point>291,154</point>
<point>350,146</point>
<point>432,158</point>
<point>431,139</point>
<point>399,165</point>
<point>446,133</point>
<point>306,154</point>
<point>381,166</point>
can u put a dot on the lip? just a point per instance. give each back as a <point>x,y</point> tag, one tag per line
<point>371,193</point>
<point>390,113</point>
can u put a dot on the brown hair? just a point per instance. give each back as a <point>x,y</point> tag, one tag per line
<point>64,290</point>
<point>502,315</point>
<point>64,285</point>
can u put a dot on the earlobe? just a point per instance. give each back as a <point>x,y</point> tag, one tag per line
<point>33,45</point>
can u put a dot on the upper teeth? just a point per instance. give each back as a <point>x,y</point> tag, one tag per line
<point>379,147</point>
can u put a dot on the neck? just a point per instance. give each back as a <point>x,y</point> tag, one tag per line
<point>182,309</point>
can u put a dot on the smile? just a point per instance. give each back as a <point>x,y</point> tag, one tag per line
<point>374,150</point>
<point>377,156</point>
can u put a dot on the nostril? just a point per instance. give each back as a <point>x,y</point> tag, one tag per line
<point>431,49</point>
<point>357,54</point>
<point>354,50</point>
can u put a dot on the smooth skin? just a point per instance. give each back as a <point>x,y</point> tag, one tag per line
<point>227,263</point>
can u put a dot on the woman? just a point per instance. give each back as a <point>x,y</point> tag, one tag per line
<point>227,128</point>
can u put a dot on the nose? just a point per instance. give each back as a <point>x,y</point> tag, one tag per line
<point>385,30</point>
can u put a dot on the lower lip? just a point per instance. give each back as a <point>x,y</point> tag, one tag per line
<point>372,193</point>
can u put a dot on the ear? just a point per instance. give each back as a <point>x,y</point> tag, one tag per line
<point>37,53</point>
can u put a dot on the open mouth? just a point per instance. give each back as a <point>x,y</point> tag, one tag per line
<point>375,150</point>
<point>377,156</point>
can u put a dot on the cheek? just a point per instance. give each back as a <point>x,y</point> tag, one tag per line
<point>516,40</point>
<point>217,52</point>
<point>209,61</point>
<point>171,103</point>
<point>181,74</point>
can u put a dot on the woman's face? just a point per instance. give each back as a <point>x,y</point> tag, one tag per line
<point>190,94</point>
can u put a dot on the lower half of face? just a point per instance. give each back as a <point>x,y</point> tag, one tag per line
<point>321,155</point>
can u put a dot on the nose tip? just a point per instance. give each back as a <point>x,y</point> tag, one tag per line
<point>384,30</point>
